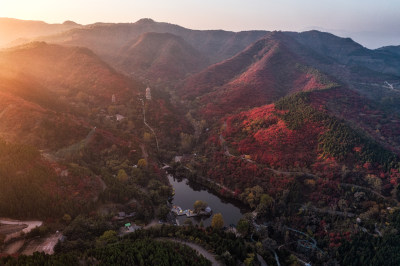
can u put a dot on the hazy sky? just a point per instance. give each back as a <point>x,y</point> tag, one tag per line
<point>371,22</point>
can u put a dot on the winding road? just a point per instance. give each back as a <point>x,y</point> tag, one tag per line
<point>376,193</point>
<point>196,247</point>
<point>144,121</point>
<point>261,260</point>
<point>390,86</point>
<point>331,212</point>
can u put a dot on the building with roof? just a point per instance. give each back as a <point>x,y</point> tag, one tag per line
<point>148,93</point>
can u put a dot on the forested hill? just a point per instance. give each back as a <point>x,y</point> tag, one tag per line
<point>163,55</point>
<point>34,188</point>
<point>262,73</point>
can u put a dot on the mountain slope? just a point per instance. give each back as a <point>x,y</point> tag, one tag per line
<point>348,52</point>
<point>372,73</point>
<point>392,49</point>
<point>34,188</point>
<point>161,56</point>
<point>49,92</point>
<point>261,74</point>
<point>56,104</point>
<point>66,71</point>
<point>301,138</point>
<point>23,121</point>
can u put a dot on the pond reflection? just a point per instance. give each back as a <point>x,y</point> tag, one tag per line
<point>187,192</point>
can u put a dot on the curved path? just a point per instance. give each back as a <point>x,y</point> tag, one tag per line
<point>196,247</point>
<point>376,193</point>
<point>148,126</point>
<point>30,225</point>
<point>261,260</point>
<point>338,213</point>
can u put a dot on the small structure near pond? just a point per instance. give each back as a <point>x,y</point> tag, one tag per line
<point>122,215</point>
<point>130,228</point>
<point>190,213</point>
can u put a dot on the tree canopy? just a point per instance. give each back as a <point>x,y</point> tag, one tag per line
<point>217,221</point>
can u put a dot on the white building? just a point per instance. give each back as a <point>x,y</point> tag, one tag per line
<point>148,93</point>
<point>119,117</point>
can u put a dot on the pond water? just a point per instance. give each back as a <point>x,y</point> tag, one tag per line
<point>186,193</point>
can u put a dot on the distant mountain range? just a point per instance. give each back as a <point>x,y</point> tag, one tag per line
<point>392,49</point>
<point>16,31</point>
<point>111,40</point>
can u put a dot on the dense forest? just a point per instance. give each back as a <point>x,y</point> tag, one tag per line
<point>34,189</point>
<point>270,145</point>
<point>140,252</point>
<point>339,140</point>
<point>91,239</point>
<point>364,249</point>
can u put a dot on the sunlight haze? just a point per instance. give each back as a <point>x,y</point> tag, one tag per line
<point>361,20</point>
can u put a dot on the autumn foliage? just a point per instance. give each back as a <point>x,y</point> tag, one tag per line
<point>295,141</point>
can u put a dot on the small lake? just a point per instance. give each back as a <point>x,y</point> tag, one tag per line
<point>186,193</point>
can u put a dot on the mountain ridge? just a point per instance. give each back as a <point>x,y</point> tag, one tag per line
<point>260,74</point>
<point>109,39</point>
<point>162,55</point>
<point>16,31</point>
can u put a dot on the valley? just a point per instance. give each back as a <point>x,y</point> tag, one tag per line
<point>292,139</point>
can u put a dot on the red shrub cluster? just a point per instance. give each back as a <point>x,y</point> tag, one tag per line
<point>261,134</point>
<point>335,239</point>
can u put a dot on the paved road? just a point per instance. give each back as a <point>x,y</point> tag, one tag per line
<point>196,247</point>
<point>148,126</point>
<point>370,190</point>
<point>390,86</point>
<point>144,152</point>
<point>151,224</point>
<point>339,213</point>
<point>261,260</point>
